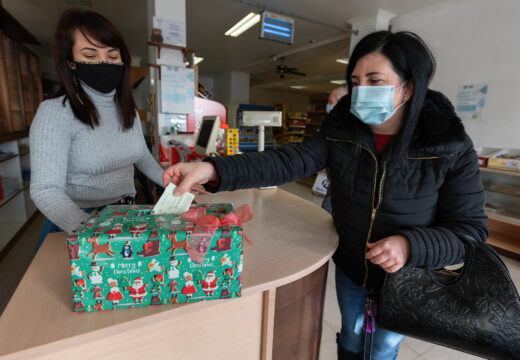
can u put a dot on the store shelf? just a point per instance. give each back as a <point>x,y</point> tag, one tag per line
<point>505,191</point>
<point>9,230</point>
<point>7,199</point>
<point>8,158</point>
<point>504,230</point>
<point>505,244</point>
<point>498,171</point>
<point>14,136</point>
<point>508,218</point>
<point>159,46</point>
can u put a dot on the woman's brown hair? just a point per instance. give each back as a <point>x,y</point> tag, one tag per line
<point>95,27</point>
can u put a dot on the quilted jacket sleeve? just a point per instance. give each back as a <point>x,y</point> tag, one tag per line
<point>272,167</point>
<point>460,212</point>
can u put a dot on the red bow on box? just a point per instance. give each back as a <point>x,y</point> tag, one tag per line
<point>207,225</point>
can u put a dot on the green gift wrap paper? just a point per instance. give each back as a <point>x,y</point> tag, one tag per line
<point>126,257</point>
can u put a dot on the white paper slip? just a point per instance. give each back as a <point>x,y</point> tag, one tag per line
<point>171,204</point>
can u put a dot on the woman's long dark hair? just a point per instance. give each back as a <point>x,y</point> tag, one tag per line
<point>94,27</point>
<point>413,61</point>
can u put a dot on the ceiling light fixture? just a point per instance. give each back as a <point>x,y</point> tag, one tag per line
<point>298,86</point>
<point>247,22</point>
<point>339,82</point>
<point>343,61</point>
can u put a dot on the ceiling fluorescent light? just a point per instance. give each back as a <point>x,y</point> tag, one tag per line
<point>298,86</point>
<point>343,61</point>
<point>339,82</point>
<point>247,22</point>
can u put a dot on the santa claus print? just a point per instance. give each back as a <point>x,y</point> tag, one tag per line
<point>209,285</point>
<point>115,231</point>
<point>137,230</point>
<point>114,294</point>
<point>189,287</point>
<point>138,290</point>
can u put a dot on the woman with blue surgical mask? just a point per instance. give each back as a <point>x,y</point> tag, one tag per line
<point>405,183</point>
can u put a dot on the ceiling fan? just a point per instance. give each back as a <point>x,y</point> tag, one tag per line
<point>282,70</point>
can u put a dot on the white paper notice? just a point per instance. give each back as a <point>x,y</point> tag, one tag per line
<point>178,90</point>
<point>173,32</point>
<point>171,204</point>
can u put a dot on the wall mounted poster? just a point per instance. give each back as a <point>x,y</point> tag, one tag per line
<point>471,100</point>
<point>177,90</point>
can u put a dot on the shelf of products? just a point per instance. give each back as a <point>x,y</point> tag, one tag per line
<point>16,208</point>
<point>503,209</point>
<point>316,113</point>
<point>292,130</point>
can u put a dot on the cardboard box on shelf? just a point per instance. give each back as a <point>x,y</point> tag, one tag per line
<point>483,154</point>
<point>506,159</point>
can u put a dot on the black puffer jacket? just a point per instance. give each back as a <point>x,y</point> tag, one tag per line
<point>433,197</point>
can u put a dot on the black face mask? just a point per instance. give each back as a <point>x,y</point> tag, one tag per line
<point>103,77</point>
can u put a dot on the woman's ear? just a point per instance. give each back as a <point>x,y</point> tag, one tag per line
<point>71,65</point>
<point>408,90</point>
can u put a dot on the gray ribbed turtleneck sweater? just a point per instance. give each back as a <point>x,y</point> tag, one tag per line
<point>74,166</point>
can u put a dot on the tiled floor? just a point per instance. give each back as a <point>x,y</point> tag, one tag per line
<point>13,266</point>
<point>411,349</point>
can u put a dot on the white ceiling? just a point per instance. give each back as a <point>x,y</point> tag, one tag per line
<point>207,20</point>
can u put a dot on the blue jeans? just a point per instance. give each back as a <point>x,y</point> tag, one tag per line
<point>49,227</point>
<point>352,304</point>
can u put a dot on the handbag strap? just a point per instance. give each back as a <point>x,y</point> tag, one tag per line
<point>369,326</point>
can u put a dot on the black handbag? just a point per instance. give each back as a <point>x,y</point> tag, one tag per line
<point>476,310</point>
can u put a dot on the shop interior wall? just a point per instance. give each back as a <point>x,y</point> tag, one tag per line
<point>474,42</point>
<point>295,102</point>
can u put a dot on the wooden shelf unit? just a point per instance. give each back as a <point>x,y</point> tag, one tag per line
<point>502,193</point>
<point>20,95</point>
<point>498,171</point>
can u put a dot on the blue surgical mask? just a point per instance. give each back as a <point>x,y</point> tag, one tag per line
<point>328,108</point>
<point>373,105</point>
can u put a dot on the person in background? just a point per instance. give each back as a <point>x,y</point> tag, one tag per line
<point>334,96</point>
<point>86,141</point>
<point>405,180</point>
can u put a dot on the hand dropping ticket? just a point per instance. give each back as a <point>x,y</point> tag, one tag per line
<point>171,204</point>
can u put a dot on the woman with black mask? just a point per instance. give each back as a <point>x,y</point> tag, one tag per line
<point>86,141</point>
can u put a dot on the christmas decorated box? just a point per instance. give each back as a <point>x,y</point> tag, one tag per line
<point>126,257</point>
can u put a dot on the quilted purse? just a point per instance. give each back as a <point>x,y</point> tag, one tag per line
<point>476,310</point>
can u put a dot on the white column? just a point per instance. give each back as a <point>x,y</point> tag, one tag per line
<point>368,23</point>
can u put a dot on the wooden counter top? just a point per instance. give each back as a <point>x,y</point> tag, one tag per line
<point>291,238</point>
